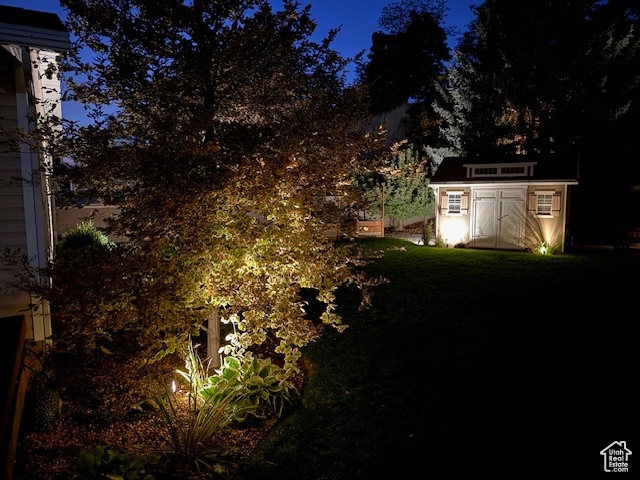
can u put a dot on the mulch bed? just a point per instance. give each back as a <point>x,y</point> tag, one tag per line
<point>105,402</point>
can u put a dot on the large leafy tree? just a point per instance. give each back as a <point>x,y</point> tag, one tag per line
<point>216,125</point>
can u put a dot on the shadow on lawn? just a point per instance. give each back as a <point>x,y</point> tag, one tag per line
<point>469,362</point>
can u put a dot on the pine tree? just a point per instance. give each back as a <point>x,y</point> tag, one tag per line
<point>537,77</point>
<point>406,63</point>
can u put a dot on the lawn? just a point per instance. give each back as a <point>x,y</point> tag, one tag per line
<point>468,362</point>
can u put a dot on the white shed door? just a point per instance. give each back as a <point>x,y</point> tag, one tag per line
<point>485,218</point>
<point>498,218</point>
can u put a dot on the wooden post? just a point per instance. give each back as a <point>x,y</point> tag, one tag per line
<point>382,221</point>
<point>213,337</point>
<point>15,397</point>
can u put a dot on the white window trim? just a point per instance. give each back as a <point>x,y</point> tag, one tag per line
<point>545,193</point>
<point>458,203</point>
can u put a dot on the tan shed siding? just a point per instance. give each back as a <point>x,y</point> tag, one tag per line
<point>453,228</point>
<point>546,229</point>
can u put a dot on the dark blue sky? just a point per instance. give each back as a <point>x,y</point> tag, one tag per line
<point>357,20</point>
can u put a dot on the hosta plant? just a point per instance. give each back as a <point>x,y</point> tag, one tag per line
<point>107,462</point>
<point>259,385</point>
<point>256,385</point>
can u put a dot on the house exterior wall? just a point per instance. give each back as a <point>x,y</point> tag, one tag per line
<point>13,236</point>
<point>26,205</point>
<point>495,215</point>
<point>12,224</point>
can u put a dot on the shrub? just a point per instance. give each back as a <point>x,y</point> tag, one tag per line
<point>259,386</point>
<point>195,429</point>
<point>84,235</point>
<point>106,461</point>
<point>256,385</point>
<point>440,242</point>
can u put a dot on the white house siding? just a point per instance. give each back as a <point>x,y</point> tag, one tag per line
<point>26,210</point>
<point>12,221</point>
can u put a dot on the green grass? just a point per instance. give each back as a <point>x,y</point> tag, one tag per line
<point>468,362</point>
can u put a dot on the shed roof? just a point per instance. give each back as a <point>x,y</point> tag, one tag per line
<point>546,168</point>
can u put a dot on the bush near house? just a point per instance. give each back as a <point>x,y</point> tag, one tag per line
<point>86,234</point>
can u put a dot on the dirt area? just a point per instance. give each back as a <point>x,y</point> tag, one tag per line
<point>105,402</point>
<point>413,232</point>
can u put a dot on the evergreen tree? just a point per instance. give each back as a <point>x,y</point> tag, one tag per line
<point>407,60</point>
<point>555,76</point>
<point>406,187</point>
<point>537,77</point>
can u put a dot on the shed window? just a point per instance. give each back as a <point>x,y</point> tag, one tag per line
<point>512,170</point>
<point>455,203</point>
<point>485,171</point>
<point>545,202</point>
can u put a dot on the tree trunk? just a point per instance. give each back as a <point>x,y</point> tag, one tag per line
<point>382,225</point>
<point>213,338</point>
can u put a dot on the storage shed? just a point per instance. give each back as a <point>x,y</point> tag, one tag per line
<point>518,202</point>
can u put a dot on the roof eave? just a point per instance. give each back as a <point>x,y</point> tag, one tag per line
<point>34,37</point>
<point>475,183</point>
